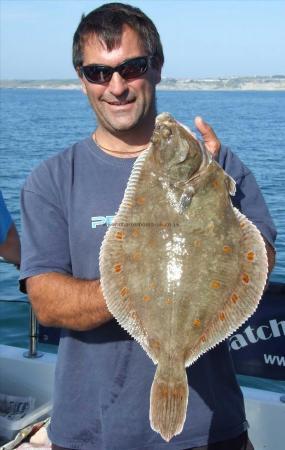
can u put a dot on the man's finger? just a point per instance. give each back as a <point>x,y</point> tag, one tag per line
<point>210,139</point>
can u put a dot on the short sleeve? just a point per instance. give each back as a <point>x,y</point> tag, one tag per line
<point>45,243</point>
<point>5,220</point>
<point>248,198</point>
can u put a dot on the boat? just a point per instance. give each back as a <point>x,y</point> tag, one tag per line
<point>257,354</point>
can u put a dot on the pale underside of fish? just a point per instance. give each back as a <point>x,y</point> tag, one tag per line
<point>181,268</point>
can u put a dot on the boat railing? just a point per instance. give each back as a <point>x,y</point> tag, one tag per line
<point>33,326</point>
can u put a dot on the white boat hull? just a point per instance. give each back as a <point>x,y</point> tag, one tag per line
<point>265,409</point>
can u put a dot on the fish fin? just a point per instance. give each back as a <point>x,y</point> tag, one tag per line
<point>228,180</point>
<point>230,184</point>
<point>168,403</point>
<point>115,288</point>
<point>116,293</point>
<point>242,301</point>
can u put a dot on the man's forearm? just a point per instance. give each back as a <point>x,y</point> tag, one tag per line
<point>63,301</point>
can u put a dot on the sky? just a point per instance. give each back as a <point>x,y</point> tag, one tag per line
<point>201,38</point>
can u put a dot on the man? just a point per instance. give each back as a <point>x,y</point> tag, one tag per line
<point>103,377</point>
<point>10,248</point>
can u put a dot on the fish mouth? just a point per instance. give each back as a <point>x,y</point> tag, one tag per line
<point>164,118</point>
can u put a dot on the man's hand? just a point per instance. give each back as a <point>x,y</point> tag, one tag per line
<point>210,140</point>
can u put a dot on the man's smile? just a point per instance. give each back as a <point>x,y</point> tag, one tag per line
<point>120,102</point>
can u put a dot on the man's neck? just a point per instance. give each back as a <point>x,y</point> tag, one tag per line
<point>122,144</point>
<point>126,151</point>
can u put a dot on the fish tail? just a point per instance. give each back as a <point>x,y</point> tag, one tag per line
<point>168,403</point>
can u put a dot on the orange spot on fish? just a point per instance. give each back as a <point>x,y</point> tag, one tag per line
<point>178,392</point>
<point>234,297</point>
<point>140,200</point>
<point>250,256</point>
<point>242,224</point>
<point>227,249</point>
<point>215,184</point>
<point>222,316</point>
<point>154,344</point>
<point>117,268</point>
<point>245,278</point>
<point>146,298</point>
<point>163,225</point>
<point>136,256</point>
<point>164,391</point>
<point>135,232</point>
<point>215,284</point>
<point>197,323</point>
<point>119,235</point>
<point>203,338</point>
<point>124,291</point>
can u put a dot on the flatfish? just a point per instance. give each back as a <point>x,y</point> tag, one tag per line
<point>181,268</point>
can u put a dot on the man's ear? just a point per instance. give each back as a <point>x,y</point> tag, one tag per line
<point>82,81</point>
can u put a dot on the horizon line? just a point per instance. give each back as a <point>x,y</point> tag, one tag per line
<point>189,78</point>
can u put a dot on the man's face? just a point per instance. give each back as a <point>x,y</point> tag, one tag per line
<point>121,105</point>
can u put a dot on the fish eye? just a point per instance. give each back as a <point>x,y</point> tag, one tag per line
<point>165,132</point>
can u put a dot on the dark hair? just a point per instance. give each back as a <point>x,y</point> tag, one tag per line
<point>107,22</point>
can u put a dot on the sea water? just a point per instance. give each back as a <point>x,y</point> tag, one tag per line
<point>37,123</point>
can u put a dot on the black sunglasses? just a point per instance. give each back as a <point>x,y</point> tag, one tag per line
<point>132,68</point>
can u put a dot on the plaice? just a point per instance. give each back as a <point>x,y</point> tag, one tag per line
<point>181,268</point>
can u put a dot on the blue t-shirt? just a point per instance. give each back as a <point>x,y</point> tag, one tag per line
<point>103,377</point>
<point>5,220</point>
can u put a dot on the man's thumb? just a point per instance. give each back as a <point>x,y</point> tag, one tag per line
<point>210,139</point>
<point>202,127</point>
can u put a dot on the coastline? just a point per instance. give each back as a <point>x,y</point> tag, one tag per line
<point>257,83</point>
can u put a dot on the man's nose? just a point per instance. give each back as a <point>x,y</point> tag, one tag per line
<point>117,85</point>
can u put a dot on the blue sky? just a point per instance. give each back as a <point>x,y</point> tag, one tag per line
<point>201,38</point>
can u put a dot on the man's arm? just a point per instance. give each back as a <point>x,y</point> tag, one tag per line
<point>61,300</point>
<point>10,249</point>
<point>58,298</point>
